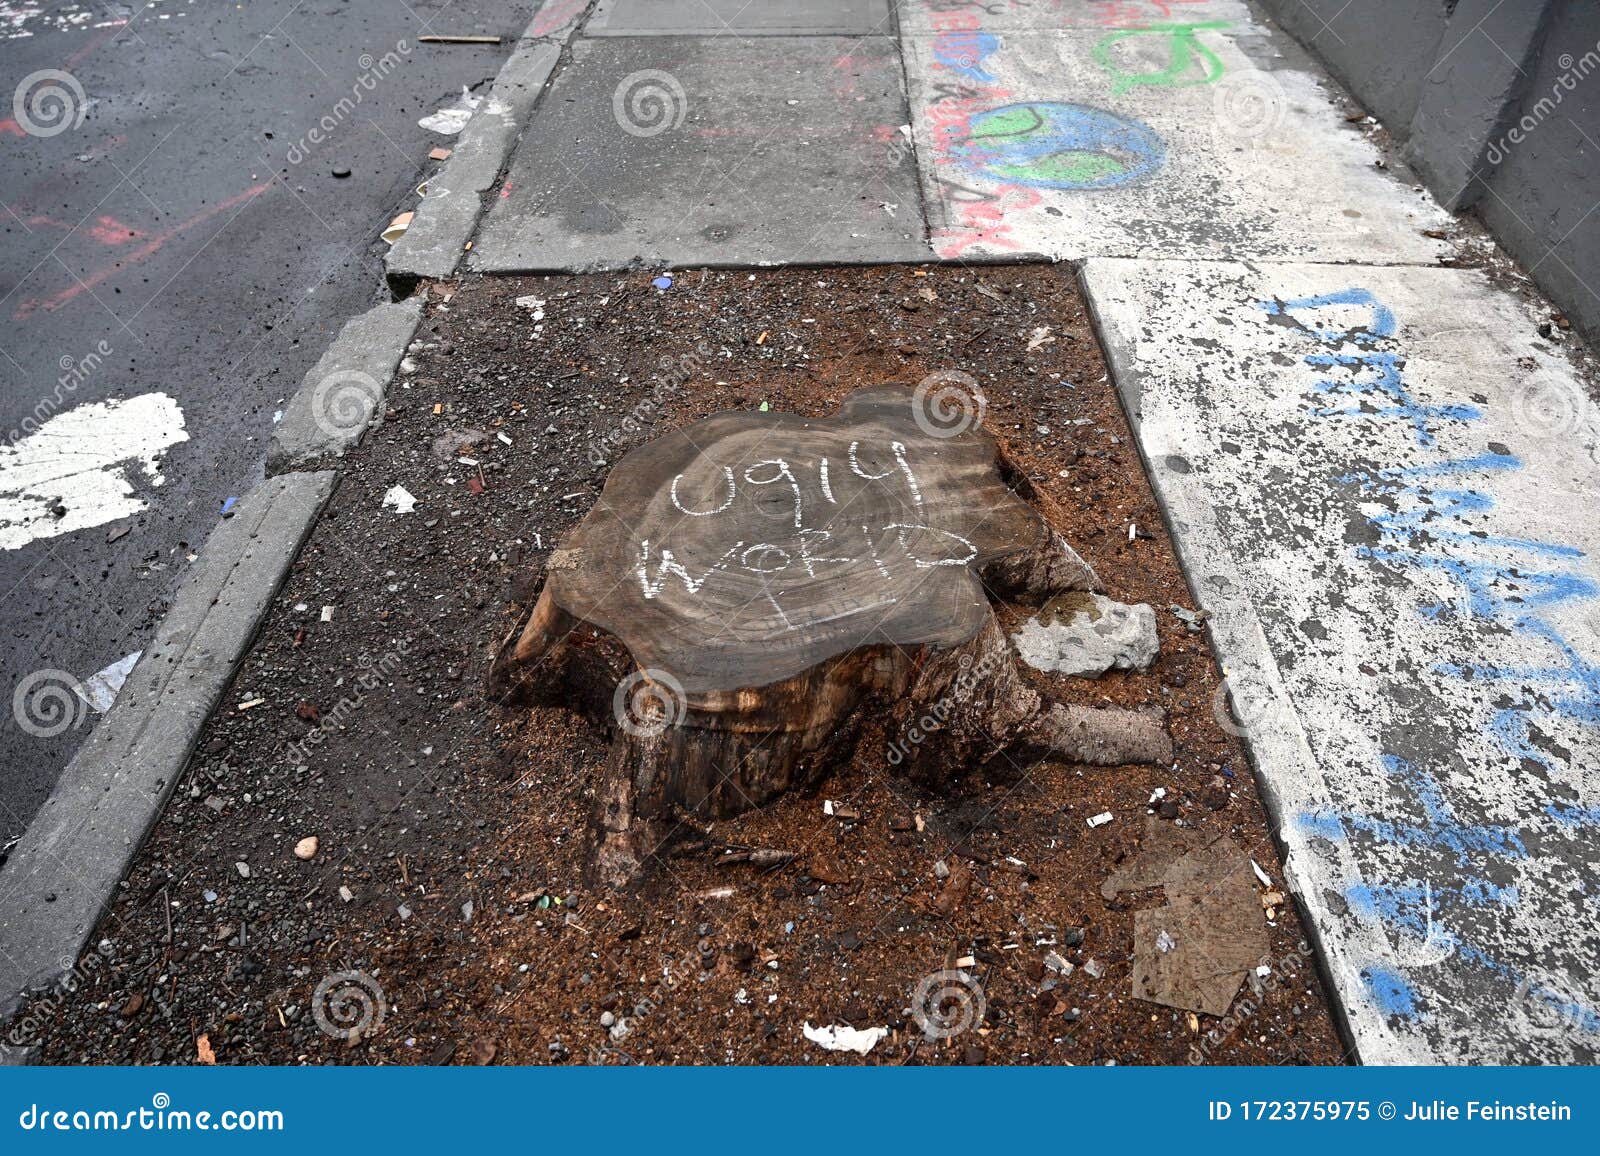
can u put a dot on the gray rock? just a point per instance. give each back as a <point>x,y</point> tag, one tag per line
<point>1088,634</point>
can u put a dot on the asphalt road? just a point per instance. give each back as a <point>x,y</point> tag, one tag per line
<point>170,266</point>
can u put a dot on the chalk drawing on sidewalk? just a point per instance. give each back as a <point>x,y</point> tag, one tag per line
<point>1054,145</point>
<point>967,87</point>
<point>963,51</point>
<point>1430,520</point>
<point>1188,59</point>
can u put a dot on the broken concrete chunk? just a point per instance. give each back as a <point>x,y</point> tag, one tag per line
<point>1088,634</point>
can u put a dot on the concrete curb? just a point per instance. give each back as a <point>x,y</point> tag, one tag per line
<point>433,245</point>
<point>62,874</point>
<point>64,871</point>
<point>342,395</point>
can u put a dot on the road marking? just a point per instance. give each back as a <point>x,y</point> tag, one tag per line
<point>81,461</point>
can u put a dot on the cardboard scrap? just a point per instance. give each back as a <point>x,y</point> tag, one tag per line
<point>1194,952</point>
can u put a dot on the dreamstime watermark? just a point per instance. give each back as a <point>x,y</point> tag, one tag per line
<point>26,1030</point>
<point>1249,1006</point>
<point>1246,107</point>
<point>74,372</point>
<point>1573,71</point>
<point>648,702</point>
<point>349,1005</point>
<point>48,103</point>
<point>1244,705</point>
<point>343,403</point>
<point>933,719</point>
<point>673,973</point>
<point>1551,1005</point>
<point>947,403</point>
<point>48,703</point>
<point>674,374</point>
<point>160,1116</point>
<point>901,146</point>
<point>944,1004</point>
<point>373,675</point>
<point>649,102</point>
<point>1548,406</point>
<point>373,70</point>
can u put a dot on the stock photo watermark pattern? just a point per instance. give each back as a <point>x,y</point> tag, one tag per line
<point>948,1003</point>
<point>48,703</point>
<point>649,702</point>
<point>649,102</point>
<point>48,103</point>
<point>349,1005</point>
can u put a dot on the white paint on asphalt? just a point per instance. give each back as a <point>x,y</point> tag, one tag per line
<point>90,461</point>
<point>1069,134</point>
<point>1382,482</point>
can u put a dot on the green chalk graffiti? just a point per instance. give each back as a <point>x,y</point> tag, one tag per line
<point>1188,60</point>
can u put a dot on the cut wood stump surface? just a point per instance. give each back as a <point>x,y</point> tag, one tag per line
<point>748,590</point>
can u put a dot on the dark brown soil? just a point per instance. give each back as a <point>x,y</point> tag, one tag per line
<point>425,797</point>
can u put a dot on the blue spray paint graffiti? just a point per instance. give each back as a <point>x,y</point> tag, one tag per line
<point>1441,829</point>
<point>1389,990</point>
<point>1427,521</point>
<point>1049,145</point>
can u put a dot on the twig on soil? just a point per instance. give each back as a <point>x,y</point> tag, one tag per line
<point>757,856</point>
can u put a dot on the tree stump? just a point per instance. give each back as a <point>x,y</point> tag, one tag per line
<point>749,589</point>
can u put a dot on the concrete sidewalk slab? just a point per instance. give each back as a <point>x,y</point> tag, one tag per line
<point>66,867</point>
<point>685,150</point>
<point>1140,142</point>
<point>740,18</point>
<point>1382,483</point>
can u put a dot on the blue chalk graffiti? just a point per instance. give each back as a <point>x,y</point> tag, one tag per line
<point>1049,145</point>
<point>963,52</point>
<point>1424,525</point>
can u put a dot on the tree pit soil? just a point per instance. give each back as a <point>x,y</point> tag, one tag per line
<point>447,881</point>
